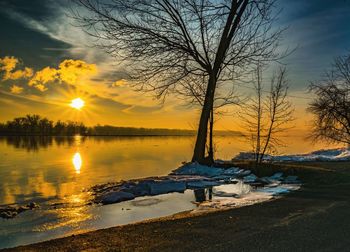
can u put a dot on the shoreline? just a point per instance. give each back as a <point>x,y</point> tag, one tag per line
<point>319,209</point>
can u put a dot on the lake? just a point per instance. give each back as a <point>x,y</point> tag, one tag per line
<point>55,171</point>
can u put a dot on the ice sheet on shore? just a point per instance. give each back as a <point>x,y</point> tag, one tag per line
<point>198,169</point>
<point>224,182</point>
<point>232,202</point>
<point>340,154</point>
<point>228,196</point>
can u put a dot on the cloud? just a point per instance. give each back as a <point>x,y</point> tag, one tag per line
<point>119,83</point>
<point>8,66</point>
<point>42,77</point>
<point>68,71</point>
<point>71,70</point>
<point>8,63</point>
<point>16,89</point>
<point>41,87</point>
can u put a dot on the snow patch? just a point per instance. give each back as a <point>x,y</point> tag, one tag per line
<point>340,154</point>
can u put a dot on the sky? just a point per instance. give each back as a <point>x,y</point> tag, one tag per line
<point>46,62</point>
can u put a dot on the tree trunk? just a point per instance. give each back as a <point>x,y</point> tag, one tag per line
<point>199,149</point>
<point>211,128</point>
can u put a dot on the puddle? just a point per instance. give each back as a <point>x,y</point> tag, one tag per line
<point>66,219</point>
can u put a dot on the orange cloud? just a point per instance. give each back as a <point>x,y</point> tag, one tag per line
<point>16,89</point>
<point>8,65</point>
<point>71,70</point>
<point>42,77</point>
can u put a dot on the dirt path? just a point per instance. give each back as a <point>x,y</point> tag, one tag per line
<point>317,218</point>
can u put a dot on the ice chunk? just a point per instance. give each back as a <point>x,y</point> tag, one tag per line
<point>166,186</point>
<point>231,171</point>
<point>232,189</point>
<point>115,197</point>
<point>274,190</point>
<point>276,176</point>
<point>281,189</point>
<point>250,178</point>
<point>201,184</point>
<point>243,173</point>
<point>140,189</point>
<point>198,169</point>
<point>223,178</point>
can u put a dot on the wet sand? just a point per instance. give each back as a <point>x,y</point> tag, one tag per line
<point>316,218</point>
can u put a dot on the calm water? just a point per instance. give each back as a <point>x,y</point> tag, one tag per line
<point>55,171</point>
<point>38,169</point>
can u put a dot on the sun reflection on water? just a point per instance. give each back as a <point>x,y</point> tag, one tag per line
<point>77,162</point>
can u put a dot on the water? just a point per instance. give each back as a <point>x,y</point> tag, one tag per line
<point>55,171</point>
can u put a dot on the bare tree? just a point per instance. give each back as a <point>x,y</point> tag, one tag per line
<point>331,107</point>
<point>171,45</point>
<point>267,116</point>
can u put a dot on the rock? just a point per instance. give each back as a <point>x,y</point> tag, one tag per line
<point>201,184</point>
<point>166,186</point>
<point>115,197</point>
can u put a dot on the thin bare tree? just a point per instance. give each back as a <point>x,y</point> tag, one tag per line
<point>168,44</point>
<point>268,114</point>
<point>331,106</point>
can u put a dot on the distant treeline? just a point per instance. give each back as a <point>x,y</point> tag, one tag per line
<point>35,125</point>
<point>129,131</point>
<point>32,125</point>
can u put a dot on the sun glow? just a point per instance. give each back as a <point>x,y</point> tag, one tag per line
<point>77,103</point>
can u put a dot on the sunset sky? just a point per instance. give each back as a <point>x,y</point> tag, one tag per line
<point>45,63</point>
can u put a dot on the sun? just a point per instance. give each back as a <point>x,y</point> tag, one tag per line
<point>77,103</point>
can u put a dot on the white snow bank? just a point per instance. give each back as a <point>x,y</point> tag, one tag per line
<point>340,154</point>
